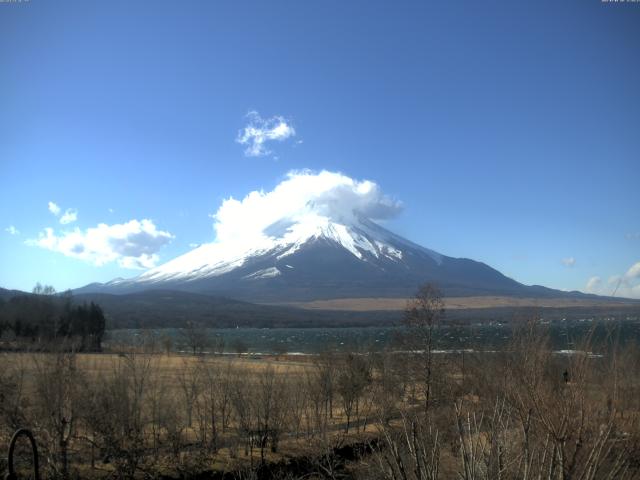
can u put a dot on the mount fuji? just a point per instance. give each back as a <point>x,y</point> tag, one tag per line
<point>316,257</point>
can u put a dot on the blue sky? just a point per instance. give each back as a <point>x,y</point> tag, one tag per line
<point>510,131</point>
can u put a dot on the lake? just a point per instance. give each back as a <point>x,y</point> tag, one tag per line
<point>564,335</point>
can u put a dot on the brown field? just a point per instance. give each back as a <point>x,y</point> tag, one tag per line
<point>454,303</point>
<point>150,415</point>
<point>179,383</point>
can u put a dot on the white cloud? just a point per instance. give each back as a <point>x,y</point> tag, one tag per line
<point>626,285</point>
<point>633,272</point>
<point>302,193</point>
<point>593,285</point>
<point>12,230</point>
<point>53,208</point>
<point>569,262</point>
<point>259,131</point>
<point>70,216</point>
<point>133,244</point>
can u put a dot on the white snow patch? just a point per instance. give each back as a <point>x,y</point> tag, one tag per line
<point>389,251</point>
<point>265,273</point>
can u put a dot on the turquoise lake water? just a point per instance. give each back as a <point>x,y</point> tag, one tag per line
<point>563,335</point>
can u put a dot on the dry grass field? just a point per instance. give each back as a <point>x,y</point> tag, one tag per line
<point>456,303</point>
<point>177,398</point>
<point>522,413</point>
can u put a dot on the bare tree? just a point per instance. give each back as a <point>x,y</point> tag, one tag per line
<point>213,403</point>
<point>158,406</point>
<point>297,394</point>
<point>410,452</point>
<point>189,382</point>
<point>195,336</point>
<point>388,386</point>
<point>56,409</point>
<point>553,417</point>
<point>317,418</point>
<point>240,396</point>
<point>353,379</point>
<point>327,365</point>
<point>271,409</point>
<point>224,394</point>
<point>423,315</point>
<point>14,399</point>
<point>115,412</point>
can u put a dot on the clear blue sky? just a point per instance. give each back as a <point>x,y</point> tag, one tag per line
<point>510,131</point>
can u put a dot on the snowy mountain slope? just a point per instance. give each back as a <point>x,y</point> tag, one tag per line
<point>316,257</point>
<point>365,241</point>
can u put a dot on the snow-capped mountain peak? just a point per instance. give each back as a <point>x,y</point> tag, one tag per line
<point>361,238</point>
<point>315,256</point>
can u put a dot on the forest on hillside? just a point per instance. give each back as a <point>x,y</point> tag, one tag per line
<point>45,318</point>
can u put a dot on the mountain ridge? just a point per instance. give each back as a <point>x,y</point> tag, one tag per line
<point>173,309</point>
<point>316,257</point>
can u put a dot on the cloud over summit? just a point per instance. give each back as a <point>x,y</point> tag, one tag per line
<point>302,194</point>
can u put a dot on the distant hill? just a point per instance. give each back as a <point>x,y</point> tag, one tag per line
<point>7,294</point>
<point>173,308</point>
<point>166,308</point>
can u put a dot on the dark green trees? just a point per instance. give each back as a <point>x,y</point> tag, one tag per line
<point>45,317</point>
<point>86,326</point>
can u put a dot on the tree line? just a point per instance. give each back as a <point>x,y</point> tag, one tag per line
<point>45,317</point>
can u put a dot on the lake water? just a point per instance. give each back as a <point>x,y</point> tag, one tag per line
<point>564,335</point>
